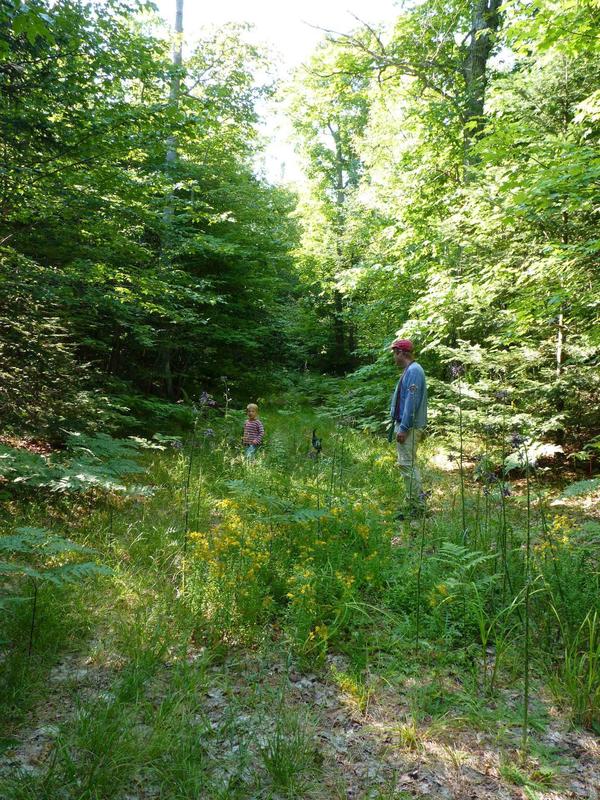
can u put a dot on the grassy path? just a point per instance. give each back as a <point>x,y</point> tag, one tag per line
<point>269,632</point>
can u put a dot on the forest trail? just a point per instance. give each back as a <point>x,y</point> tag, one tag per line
<point>150,701</point>
<point>371,752</point>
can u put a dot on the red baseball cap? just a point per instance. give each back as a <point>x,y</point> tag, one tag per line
<point>402,344</point>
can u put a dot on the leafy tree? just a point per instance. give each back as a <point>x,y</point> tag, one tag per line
<point>477,231</point>
<point>86,122</point>
<point>329,108</point>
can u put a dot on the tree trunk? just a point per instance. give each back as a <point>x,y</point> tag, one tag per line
<point>338,300</point>
<point>561,336</point>
<point>165,348</point>
<point>339,332</point>
<point>352,361</point>
<point>165,371</point>
<point>114,355</point>
<point>174,91</point>
<point>486,21</point>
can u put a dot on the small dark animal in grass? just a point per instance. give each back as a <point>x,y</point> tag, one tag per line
<point>316,445</point>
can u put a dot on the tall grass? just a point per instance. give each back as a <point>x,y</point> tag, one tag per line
<point>299,556</point>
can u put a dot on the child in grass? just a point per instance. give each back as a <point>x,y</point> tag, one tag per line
<point>253,431</point>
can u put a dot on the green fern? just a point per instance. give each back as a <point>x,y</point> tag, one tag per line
<point>30,540</point>
<point>275,509</point>
<point>32,554</point>
<point>580,488</point>
<point>460,559</point>
<point>97,461</point>
<point>38,545</point>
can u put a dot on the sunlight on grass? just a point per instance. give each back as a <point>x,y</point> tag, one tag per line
<point>290,560</point>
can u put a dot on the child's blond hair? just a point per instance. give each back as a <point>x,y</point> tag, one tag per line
<point>251,406</point>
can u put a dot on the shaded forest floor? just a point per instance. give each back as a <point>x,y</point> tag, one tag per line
<point>174,678</point>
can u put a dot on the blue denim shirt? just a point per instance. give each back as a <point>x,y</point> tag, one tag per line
<point>409,402</point>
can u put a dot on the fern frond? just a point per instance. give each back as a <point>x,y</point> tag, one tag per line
<point>580,488</point>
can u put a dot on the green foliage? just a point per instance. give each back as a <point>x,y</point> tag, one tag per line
<point>473,233</point>
<point>289,755</point>
<point>37,558</point>
<point>98,292</point>
<point>451,168</point>
<point>39,551</point>
<point>329,111</point>
<point>582,488</point>
<point>451,196</point>
<point>290,563</point>
<point>96,461</point>
<point>459,561</point>
<point>577,678</point>
<point>43,385</point>
<point>28,20</point>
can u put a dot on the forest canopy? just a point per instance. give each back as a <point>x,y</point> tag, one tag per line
<point>451,195</point>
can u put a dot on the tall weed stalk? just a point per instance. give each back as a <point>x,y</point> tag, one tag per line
<point>527,609</point>
<point>457,371</point>
<point>419,576</point>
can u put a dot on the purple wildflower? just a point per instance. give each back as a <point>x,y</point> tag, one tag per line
<point>207,400</point>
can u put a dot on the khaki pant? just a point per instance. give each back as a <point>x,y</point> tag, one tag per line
<point>407,462</point>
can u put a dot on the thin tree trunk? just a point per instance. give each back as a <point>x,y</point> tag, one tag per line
<point>560,339</point>
<point>165,349</point>
<point>338,300</point>
<point>174,92</point>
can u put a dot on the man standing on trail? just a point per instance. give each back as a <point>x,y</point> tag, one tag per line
<point>409,416</point>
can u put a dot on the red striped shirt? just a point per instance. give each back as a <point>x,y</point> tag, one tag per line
<point>253,431</point>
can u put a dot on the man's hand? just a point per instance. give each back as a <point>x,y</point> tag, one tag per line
<point>401,437</point>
